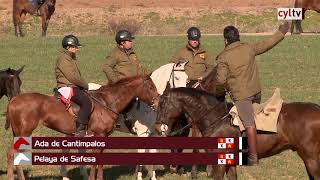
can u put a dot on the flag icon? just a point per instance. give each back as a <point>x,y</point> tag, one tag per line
<point>22,143</point>
<point>226,159</point>
<point>225,143</point>
<point>22,158</point>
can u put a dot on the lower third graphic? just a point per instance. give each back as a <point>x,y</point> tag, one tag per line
<point>24,158</point>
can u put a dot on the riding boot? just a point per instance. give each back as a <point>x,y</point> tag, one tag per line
<point>252,142</point>
<point>80,130</point>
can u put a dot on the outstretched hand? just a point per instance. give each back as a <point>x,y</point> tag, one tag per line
<point>283,28</point>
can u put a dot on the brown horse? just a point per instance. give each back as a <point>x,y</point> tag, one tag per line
<point>22,7</point>
<point>27,111</point>
<point>298,126</point>
<point>305,5</point>
<point>10,82</point>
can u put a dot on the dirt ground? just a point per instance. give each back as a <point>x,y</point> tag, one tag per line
<point>7,4</point>
<point>154,17</point>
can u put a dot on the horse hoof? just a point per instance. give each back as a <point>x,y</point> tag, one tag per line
<point>194,175</point>
<point>173,170</point>
<point>181,171</point>
<point>152,175</point>
<point>139,176</point>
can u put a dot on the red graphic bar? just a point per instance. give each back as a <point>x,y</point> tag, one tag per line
<point>134,158</point>
<point>137,143</point>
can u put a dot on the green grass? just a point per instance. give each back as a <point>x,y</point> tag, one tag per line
<point>292,66</point>
<point>150,22</point>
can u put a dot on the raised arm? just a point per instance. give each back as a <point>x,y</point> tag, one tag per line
<point>264,46</point>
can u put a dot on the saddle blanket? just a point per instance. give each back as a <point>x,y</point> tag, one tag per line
<point>66,94</point>
<point>93,86</point>
<point>266,114</point>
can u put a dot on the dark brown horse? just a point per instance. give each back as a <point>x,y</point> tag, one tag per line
<point>25,112</point>
<point>10,82</point>
<point>298,126</point>
<point>305,5</point>
<point>22,7</point>
<point>181,126</point>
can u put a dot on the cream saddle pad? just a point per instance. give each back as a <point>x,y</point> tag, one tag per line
<point>163,74</point>
<point>266,114</point>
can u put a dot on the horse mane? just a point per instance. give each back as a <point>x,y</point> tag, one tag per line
<point>192,92</point>
<point>209,82</point>
<point>121,82</point>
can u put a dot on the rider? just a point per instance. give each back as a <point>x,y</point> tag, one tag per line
<point>198,60</point>
<point>122,61</point>
<point>237,71</point>
<point>68,75</point>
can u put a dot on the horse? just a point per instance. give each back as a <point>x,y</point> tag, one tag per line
<point>305,5</point>
<point>26,111</point>
<point>22,7</point>
<point>298,127</point>
<point>10,82</point>
<point>142,117</point>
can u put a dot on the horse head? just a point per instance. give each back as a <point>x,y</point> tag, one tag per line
<point>169,110</point>
<point>147,92</point>
<point>12,82</point>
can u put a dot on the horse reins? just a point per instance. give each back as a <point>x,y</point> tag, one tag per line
<point>109,108</point>
<point>190,123</point>
<point>99,102</point>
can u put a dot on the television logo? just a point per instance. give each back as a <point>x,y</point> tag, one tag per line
<point>289,14</point>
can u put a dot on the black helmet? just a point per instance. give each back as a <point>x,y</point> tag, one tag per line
<point>70,40</point>
<point>193,33</point>
<point>123,35</point>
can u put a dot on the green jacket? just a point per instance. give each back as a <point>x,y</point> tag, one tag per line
<point>199,61</point>
<point>122,64</point>
<point>237,68</point>
<point>67,71</point>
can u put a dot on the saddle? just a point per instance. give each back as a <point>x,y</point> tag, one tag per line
<point>266,114</point>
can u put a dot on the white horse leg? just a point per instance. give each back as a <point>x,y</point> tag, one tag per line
<point>143,131</point>
<point>153,175</point>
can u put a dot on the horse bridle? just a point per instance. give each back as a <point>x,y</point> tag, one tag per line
<point>109,108</point>
<point>10,94</point>
<point>192,120</point>
<point>153,99</point>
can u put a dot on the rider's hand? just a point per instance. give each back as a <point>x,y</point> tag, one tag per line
<point>283,28</point>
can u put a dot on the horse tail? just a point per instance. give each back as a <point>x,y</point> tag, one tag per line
<point>7,125</point>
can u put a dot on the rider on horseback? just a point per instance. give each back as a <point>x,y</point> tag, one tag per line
<point>198,59</point>
<point>68,75</point>
<point>237,71</point>
<point>123,63</point>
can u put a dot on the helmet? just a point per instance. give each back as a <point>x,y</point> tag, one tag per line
<point>70,40</point>
<point>123,35</point>
<point>193,33</point>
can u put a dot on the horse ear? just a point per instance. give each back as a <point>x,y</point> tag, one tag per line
<point>166,90</point>
<point>20,70</point>
<point>9,70</point>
